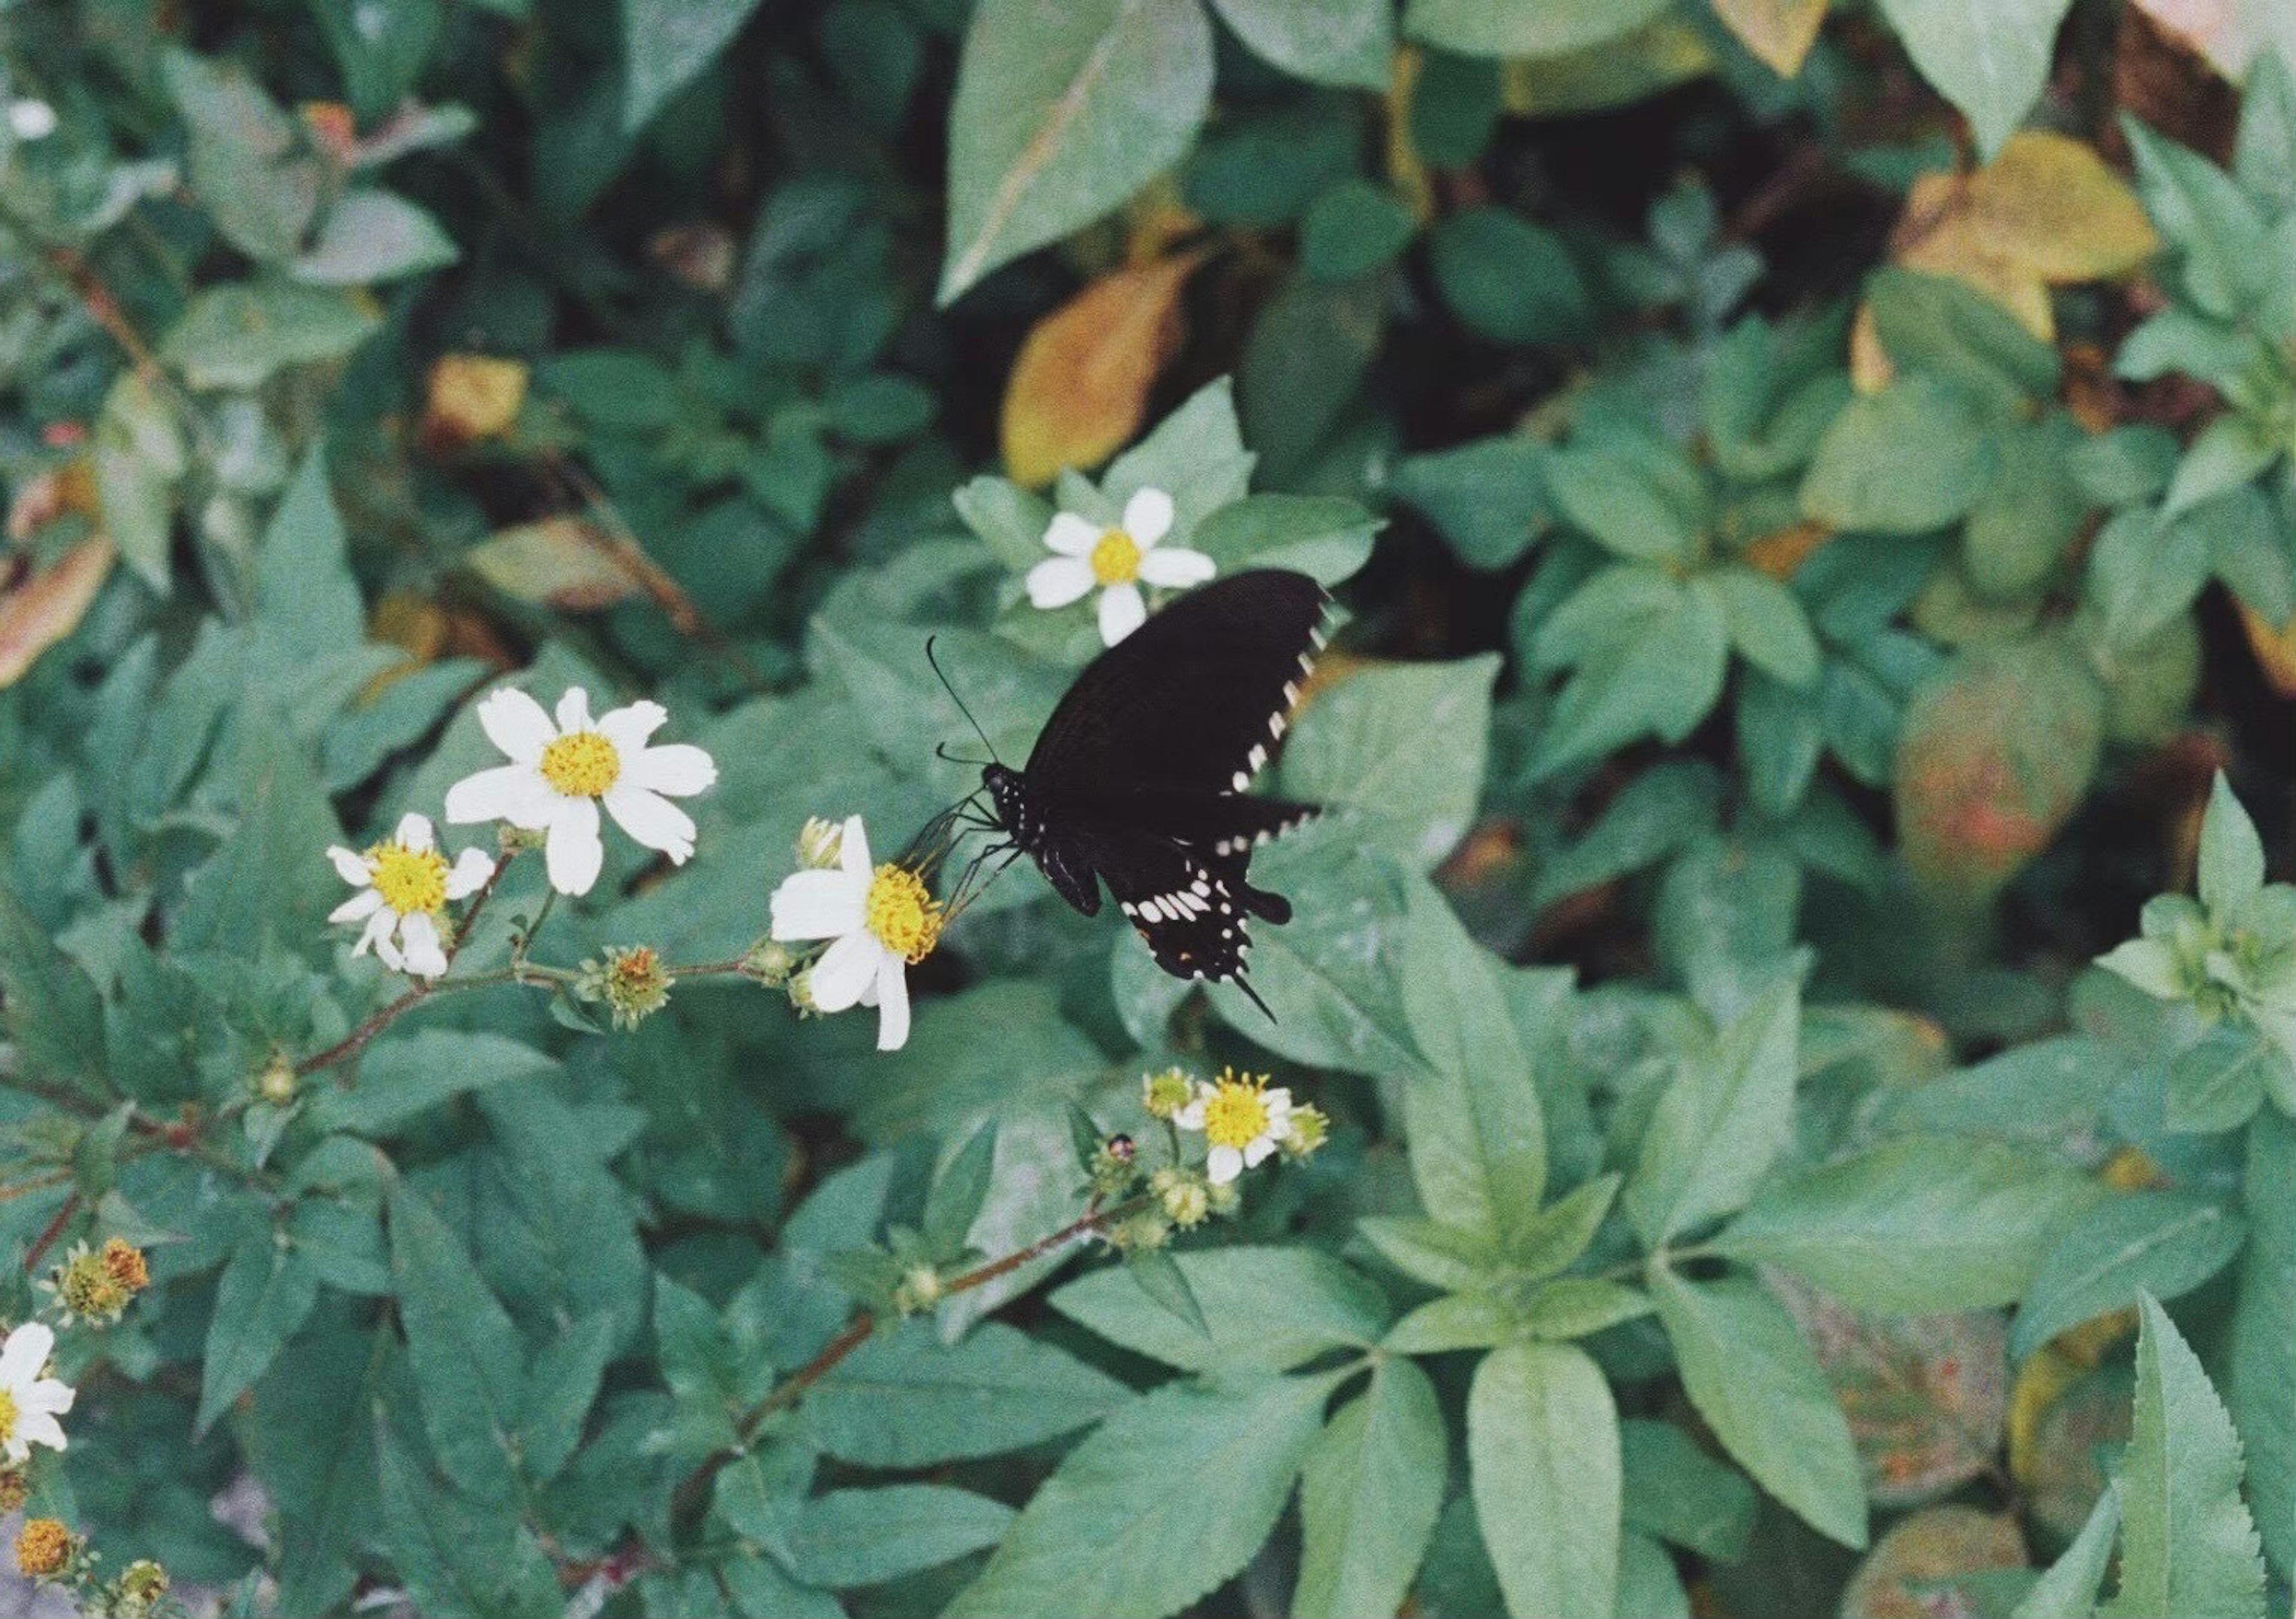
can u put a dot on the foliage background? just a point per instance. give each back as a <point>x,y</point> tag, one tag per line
<point>1810,487</point>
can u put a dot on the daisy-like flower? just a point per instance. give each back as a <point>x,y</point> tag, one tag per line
<point>882,920</point>
<point>1243,1121</point>
<point>1117,561</point>
<point>404,884</point>
<point>560,773</point>
<point>31,1403</point>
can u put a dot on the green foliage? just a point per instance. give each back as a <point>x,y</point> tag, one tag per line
<point>1775,551</point>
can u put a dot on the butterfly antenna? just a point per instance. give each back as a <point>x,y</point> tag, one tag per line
<point>933,659</point>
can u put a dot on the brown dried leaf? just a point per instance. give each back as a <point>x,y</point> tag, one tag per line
<point>562,562</point>
<point>1927,1397</point>
<point>47,605</point>
<point>1079,388</point>
<point>1910,1571</point>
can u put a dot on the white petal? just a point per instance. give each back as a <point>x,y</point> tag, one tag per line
<point>845,970</point>
<point>1223,1164</point>
<point>515,793</point>
<point>387,950</point>
<point>652,820</point>
<point>1256,1151</point>
<point>359,904</point>
<point>892,1003</point>
<point>40,1428</point>
<point>47,1395</point>
<point>1178,568</point>
<point>376,935</point>
<point>853,849</point>
<point>1122,613</point>
<point>414,832</point>
<point>1057,581</point>
<point>426,957</point>
<point>1072,536</point>
<point>572,851</point>
<point>627,727</point>
<point>27,1350</point>
<point>1192,1116</point>
<point>818,905</point>
<point>351,868</point>
<point>18,1451</point>
<point>515,722</point>
<point>574,711</point>
<point>1148,517</point>
<point>679,769</point>
<point>469,873</point>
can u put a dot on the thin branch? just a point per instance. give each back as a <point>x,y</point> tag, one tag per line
<point>54,1228</point>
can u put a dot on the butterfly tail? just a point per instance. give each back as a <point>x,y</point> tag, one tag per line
<point>1252,994</point>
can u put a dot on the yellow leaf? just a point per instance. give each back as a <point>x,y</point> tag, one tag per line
<point>1656,56</point>
<point>2048,204</point>
<point>562,561</point>
<point>1407,172</point>
<point>472,396</point>
<point>1079,388</point>
<point>2274,649</point>
<point>45,607</point>
<point>1779,32</point>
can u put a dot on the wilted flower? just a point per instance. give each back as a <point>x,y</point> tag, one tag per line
<point>138,1589</point>
<point>1243,1121</point>
<point>42,1547</point>
<point>97,1287</point>
<point>560,773</point>
<point>31,1403</point>
<point>882,920</point>
<point>404,884</point>
<point>1117,561</point>
<point>630,981</point>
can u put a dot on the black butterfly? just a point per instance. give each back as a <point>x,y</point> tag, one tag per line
<point>1138,778</point>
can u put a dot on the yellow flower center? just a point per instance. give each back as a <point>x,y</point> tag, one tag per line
<point>409,880</point>
<point>902,912</point>
<point>8,1416</point>
<point>581,764</point>
<point>1116,558</point>
<point>1235,1115</point>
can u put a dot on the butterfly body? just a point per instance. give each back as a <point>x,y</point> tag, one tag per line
<point>1137,779</point>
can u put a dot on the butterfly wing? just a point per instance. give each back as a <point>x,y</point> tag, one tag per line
<point>1192,701</point>
<point>1189,906</point>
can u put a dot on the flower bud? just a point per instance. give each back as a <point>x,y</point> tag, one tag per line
<point>770,963</point>
<point>629,980</point>
<point>1165,1094</point>
<point>919,1290</point>
<point>1186,1196</point>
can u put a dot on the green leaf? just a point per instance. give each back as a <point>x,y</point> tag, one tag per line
<point>2260,1384</point>
<point>1353,228</point>
<point>2159,1244</point>
<point>2219,1081</point>
<point>1657,676</point>
<point>1478,1135</point>
<point>1454,1257</point>
<point>267,1292</point>
<point>139,453</point>
<point>1754,1380</point>
<point>1543,1448</point>
<point>1920,1225</point>
<point>2188,1543</point>
<point>1639,502</point>
<point>2264,156</point>
<point>1942,326</point>
<point>1488,498</point>
<point>1325,536</point>
<point>1403,745</point>
<point>1060,116</point>
<point>1167,1500</point>
<point>957,1195</point>
<point>2209,221</point>
<point>372,236</point>
<point>461,1349</point>
<point>1456,1321</point>
<point>561,1389</point>
<point>403,1077</point>
<point>865,1537</point>
<point>1525,27</point>
<point>1677,1492</point>
<point>1989,58</point>
<point>1267,1310</point>
<point>263,882</point>
<point>1508,278</point>
<point>1653,816</point>
<point>248,162</point>
<point>462,1556</point>
<point>1907,459</point>
<point>906,1400</point>
<point>306,600</point>
<point>2067,1588</point>
<point>1766,625</point>
<point>237,336</point>
<point>1369,1492</point>
<point>2231,854</point>
<point>666,45</point>
<point>1329,42</point>
<point>51,1008</point>
<point>1716,1130</point>
<point>1579,1306</point>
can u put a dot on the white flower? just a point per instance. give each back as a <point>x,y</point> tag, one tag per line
<point>32,120</point>
<point>30,1403</point>
<point>883,919</point>
<point>1117,559</point>
<point>404,884</point>
<point>559,774</point>
<point>1243,1121</point>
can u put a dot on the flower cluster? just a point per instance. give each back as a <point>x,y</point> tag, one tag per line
<point>49,1552</point>
<point>562,771</point>
<point>96,1286</point>
<point>1242,1123</point>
